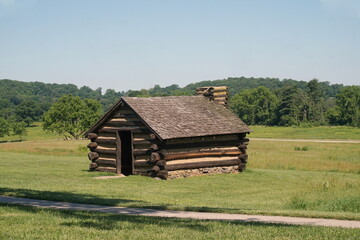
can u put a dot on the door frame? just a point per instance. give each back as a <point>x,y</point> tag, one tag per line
<point>119,151</point>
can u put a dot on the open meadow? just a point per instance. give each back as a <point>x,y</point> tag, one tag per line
<point>282,178</point>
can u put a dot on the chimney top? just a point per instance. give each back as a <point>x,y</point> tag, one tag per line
<point>215,94</point>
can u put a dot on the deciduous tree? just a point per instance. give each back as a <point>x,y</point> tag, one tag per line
<point>70,116</point>
<point>255,106</point>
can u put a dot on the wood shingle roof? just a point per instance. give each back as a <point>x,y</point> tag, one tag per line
<point>186,116</point>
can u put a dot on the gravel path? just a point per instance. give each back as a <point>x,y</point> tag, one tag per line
<point>182,214</point>
<point>305,140</point>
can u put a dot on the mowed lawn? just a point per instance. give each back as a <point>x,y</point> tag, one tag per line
<point>18,222</point>
<point>321,181</point>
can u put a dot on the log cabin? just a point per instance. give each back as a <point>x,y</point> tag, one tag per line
<point>170,137</point>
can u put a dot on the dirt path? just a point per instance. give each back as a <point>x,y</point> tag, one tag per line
<point>305,140</point>
<point>182,214</point>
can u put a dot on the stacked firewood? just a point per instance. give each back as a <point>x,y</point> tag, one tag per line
<point>215,94</point>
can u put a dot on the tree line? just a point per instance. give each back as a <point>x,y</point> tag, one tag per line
<point>291,105</point>
<point>264,101</point>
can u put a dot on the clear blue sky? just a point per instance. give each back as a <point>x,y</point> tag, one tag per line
<point>136,44</point>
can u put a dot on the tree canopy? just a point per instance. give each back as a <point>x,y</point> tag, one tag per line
<point>71,116</point>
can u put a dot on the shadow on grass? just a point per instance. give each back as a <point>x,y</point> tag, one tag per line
<point>11,141</point>
<point>64,197</point>
<point>110,221</point>
<point>97,200</point>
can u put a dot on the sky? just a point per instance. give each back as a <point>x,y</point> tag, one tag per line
<point>136,44</point>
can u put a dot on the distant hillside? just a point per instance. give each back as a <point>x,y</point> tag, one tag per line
<point>13,92</point>
<point>27,101</point>
<point>239,84</point>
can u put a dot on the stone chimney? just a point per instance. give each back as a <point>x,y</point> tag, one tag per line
<point>215,94</point>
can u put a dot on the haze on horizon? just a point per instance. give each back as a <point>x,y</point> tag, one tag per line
<point>137,44</point>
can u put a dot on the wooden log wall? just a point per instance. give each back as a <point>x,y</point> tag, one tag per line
<point>156,158</point>
<point>103,143</point>
<point>216,94</point>
<point>214,151</point>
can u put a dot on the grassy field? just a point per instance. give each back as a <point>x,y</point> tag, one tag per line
<point>20,223</point>
<point>323,132</point>
<point>257,191</point>
<point>283,178</point>
<point>35,132</point>
<point>330,157</point>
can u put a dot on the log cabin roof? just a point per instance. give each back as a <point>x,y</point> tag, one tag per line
<point>182,116</point>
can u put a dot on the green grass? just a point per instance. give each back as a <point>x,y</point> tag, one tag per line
<point>35,132</point>
<point>256,191</point>
<point>319,180</point>
<point>324,132</point>
<point>34,223</point>
<point>329,157</point>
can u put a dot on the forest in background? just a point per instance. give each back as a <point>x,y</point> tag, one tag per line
<point>264,101</point>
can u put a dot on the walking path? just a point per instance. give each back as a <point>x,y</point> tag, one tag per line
<point>182,214</point>
<point>305,140</point>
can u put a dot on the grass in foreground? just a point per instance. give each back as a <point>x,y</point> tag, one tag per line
<point>34,223</point>
<point>278,192</point>
<point>323,132</point>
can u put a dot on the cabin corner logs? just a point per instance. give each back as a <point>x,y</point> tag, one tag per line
<point>125,145</point>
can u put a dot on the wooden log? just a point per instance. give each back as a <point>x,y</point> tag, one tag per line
<point>193,165</point>
<point>221,88</point>
<point>209,153</point>
<point>92,136</point>
<point>154,169</point>
<point>138,152</point>
<point>220,99</point>
<point>163,174</point>
<point>196,149</point>
<point>106,169</point>
<point>118,153</point>
<point>93,156</point>
<point>242,148</point>
<point>144,172</point>
<point>206,139</point>
<point>110,134</point>
<point>161,163</point>
<point>221,93</point>
<point>142,164</point>
<point>101,150</point>
<point>126,116</point>
<point>132,129</point>
<point>115,122</point>
<point>154,157</point>
<point>142,136</point>
<point>154,147</point>
<point>243,158</point>
<point>92,145</point>
<point>92,166</point>
<point>106,140</point>
<point>137,142</point>
<point>218,89</point>
<point>105,162</point>
<point>221,96</point>
<point>108,155</point>
<point>142,157</point>
<point>205,144</point>
<point>242,167</point>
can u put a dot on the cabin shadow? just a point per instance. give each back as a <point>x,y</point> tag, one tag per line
<point>105,221</point>
<point>65,197</point>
